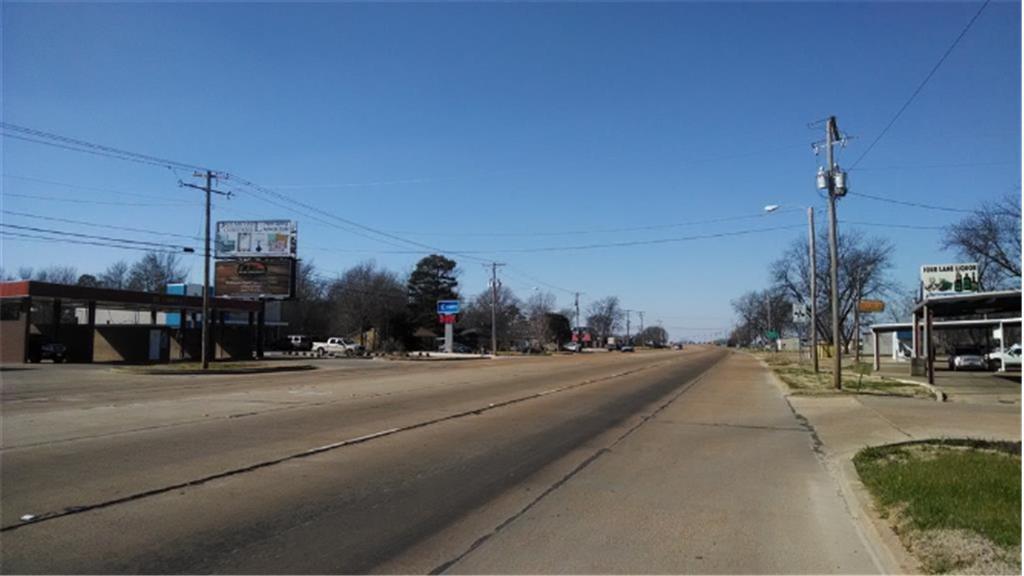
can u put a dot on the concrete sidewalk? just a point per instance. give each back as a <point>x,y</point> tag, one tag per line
<point>981,387</point>
<point>723,479</point>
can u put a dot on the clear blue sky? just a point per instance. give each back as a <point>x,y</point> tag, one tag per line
<point>446,124</point>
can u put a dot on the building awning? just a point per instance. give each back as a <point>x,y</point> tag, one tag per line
<point>120,298</point>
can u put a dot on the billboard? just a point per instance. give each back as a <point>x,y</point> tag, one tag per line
<point>448,307</point>
<point>949,279</point>
<point>271,278</point>
<point>256,239</point>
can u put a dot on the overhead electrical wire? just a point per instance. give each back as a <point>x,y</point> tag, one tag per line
<point>98,189</point>
<point>10,130</point>
<point>127,241</point>
<point>84,201</point>
<point>97,225</point>
<point>911,204</point>
<point>920,86</point>
<point>37,238</point>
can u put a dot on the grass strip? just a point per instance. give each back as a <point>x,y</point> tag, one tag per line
<point>935,490</point>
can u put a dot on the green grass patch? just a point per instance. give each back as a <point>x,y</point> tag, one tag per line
<point>949,484</point>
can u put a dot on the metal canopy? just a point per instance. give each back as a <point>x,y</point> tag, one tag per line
<point>120,298</point>
<point>1002,302</point>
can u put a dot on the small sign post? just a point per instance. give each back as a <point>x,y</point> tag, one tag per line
<point>446,312</point>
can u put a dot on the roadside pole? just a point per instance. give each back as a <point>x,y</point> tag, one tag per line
<point>208,189</point>
<point>494,306</point>
<point>831,134</point>
<point>814,289</point>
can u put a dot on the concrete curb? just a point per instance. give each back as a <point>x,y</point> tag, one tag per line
<point>889,554</point>
<point>939,395</point>
<point>214,372</point>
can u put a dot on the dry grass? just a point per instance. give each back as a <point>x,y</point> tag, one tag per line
<point>857,379</point>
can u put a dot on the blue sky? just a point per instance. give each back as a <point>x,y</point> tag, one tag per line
<point>497,127</point>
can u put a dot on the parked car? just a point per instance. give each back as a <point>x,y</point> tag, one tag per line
<point>1011,356</point>
<point>967,359</point>
<point>336,346</point>
<point>627,348</point>
<point>40,350</point>
<point>300,343</point>
<point>457,347</point>
<point>571,347</point>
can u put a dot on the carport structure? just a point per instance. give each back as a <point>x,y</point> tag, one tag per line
<point>43,310</point>
<point>976,310</point>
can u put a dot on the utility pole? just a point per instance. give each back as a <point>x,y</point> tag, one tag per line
<point>579,333</point>
<point>814,288</point>
<point>641,313</point>
<point>834,180</point>
<point>494,306</point>
<point>856,323</point>
<point>627,326</point>
<point>208,189</point>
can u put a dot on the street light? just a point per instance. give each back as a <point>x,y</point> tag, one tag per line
<point>813,278</point>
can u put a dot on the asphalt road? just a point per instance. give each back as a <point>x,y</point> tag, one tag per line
<point>358,467</point>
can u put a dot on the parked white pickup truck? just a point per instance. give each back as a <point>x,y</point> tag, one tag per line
<point>1011,357</point>
<point>337,347</point>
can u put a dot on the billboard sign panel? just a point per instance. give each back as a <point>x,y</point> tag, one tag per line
<point>447,307</point>
<point>270,278</point>
<point>256,239</point>
<point>949,279</point>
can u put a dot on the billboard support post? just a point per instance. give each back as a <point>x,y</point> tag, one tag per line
<point>449,337</point>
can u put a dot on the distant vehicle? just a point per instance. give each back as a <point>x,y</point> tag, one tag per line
<point>337,347</point>
<point>571,347</point>
<point>1011,356</point>
<point>677,346</point>
<point>40,350</point>
<point>300,343</point>
<point>457,347</point>
<point>967,359</point>
<point>611,343</point>
<point>627,348</point>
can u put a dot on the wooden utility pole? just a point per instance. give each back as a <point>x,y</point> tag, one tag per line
<point>209,175</point>
<point>814,288</point>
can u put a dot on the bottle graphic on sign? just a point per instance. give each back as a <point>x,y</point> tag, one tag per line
<point>958,283</point>
<point>968,283</point>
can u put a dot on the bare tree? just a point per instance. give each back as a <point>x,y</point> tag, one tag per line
<point>154,271</point>
<point>307,313</point>
<point>653,336</point>
<point>604,317</point>
<point>115,276</point>
<point>991,237</point>
<point>508,316</point>
<point>538,306</point>
<point>57,275</point>
<point>863,266</point>
<point>760,312</point>
<point>366,297</point>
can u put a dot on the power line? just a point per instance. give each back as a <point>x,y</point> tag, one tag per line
<point>97,225</point>
<point>636,242</point>
<point>921,85</point>
<point>911,204</point>
<point>18,236</point>
<point>95,189</point>
<point>94,237</point>
<point>51,139</point>
<point>890,225</point>
<point>81,201</point>
<point>592,231</point>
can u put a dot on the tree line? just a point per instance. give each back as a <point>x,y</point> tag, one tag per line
<point>384,310</point>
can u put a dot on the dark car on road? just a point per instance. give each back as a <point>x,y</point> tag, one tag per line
<point>40,350</point>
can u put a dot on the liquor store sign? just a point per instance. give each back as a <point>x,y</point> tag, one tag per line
<point>949,279</point>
